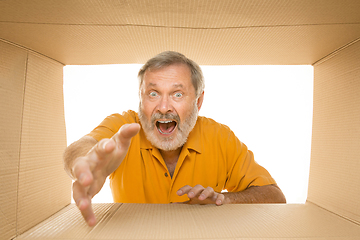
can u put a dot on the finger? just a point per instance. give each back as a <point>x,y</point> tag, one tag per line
<point>207,193</point>
<point>129,130</point>
<point>106,145</point>
<point>195,191</point>
<point>83,202</point>
<point>185,189</point>
<point>190,191</point>
<point>100,156</point>
<point>87,212</point>
<point>220,199</point>
<point>96,186</point>
<point>102,149</point>
<point>82,171</point>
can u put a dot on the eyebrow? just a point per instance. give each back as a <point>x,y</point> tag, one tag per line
<point>176,85</point>
<point>151,85</point>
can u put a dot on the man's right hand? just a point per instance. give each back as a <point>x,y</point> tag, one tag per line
<point>92,169</point>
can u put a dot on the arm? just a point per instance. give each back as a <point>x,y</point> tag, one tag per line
<point>77,149</point>
<point>236,170</point>
<point>264,194</point>
<point>90,168</point>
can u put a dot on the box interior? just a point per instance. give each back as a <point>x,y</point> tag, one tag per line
<point>38,38</point>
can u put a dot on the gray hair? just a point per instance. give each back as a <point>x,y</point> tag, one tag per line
<point>168,58</point>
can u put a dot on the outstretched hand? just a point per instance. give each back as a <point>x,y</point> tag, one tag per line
<point>92,169</point>
<point>200,195</point>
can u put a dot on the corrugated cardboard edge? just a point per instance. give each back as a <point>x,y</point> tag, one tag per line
<point>182,221</point>
<point>210,32</point>
<point>12,84</point>
<point>32,179</point>
<point>334,169</point>
<point>44,187</point>
<point>334,53</point>
<point>29,50</point>
<point>69,224</point>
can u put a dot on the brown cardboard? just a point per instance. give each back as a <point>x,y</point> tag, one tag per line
<point>208,31</point>
<point>43,184</point>
<point>12,84</point>
<point>37,37</point>
<point>33,182</point>
<point>177,221</point>
<point>334,171</point>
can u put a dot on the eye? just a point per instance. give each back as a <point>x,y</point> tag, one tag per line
<point>153,94</point>
<point>178,95</point>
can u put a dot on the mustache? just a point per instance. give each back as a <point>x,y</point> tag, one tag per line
<point>167,116</point>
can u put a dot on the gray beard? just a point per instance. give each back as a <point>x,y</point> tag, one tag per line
<point>168,143</point>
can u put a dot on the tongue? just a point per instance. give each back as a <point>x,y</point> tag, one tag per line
<point>167,127</point>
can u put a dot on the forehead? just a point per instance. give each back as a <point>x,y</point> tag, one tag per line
<point>178,74</point>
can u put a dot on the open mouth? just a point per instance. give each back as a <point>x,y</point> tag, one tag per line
<point>166,126</point>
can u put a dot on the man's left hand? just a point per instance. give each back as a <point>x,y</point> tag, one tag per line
<point>200,195</point>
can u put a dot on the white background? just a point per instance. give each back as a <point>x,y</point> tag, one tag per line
<point>268,107</point>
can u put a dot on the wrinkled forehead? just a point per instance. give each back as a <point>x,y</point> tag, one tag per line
<point>177,74</point>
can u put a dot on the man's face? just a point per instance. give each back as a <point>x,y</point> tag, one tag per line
<point>168,106</point>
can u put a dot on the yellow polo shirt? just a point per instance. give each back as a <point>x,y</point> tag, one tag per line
<point>212,156</point>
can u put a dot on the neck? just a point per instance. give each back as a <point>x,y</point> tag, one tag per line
<point>169,155</point>
<point>171,158</point>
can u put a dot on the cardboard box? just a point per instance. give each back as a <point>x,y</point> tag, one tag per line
<point>39,37</point>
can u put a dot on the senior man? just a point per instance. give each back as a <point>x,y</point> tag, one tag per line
<point>166,153</point>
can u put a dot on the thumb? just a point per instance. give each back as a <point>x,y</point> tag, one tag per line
<point>126,132</point>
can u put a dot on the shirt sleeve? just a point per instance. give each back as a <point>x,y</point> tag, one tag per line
<point>111,125</point>
<point>243,170</point>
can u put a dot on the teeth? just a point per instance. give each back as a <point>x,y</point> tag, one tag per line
<point>165,121</point>
<point>162,132</point>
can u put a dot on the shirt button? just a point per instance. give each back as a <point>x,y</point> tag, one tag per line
<point>166,175</point>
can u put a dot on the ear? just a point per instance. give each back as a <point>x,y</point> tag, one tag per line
<point>200,101</point>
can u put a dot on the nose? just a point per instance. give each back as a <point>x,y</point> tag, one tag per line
<point>164,105</point>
